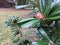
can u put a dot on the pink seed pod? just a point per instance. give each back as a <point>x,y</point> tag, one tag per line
<point>39,16</point>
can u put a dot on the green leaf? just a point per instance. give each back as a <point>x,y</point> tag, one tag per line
<point>25,21</point>
<point>35,43</point>
<point>32,23</point>
<point>53,18</point>
<point>47,6</point>
<point>55,13</point>
<point>16,33</point>
<point>40,5</point>
<point>44,34</point>
<point>15,40</point>
<point>55,6</point>
<point>57,28</point>
<point>54,9</point>
<point>40,42</point>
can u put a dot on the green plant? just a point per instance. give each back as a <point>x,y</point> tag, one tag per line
<point>17,36</point>
<point>46,22</point>
<point>47,26</point>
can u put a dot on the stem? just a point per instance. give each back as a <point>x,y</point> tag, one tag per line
<point>19,30</point>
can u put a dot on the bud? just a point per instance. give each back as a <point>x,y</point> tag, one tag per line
<point>39,16</point>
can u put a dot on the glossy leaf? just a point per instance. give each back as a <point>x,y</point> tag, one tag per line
<point>32,23</point>
<point>40,6</point>
<point>25,21</point>
<point>57,29</point>
<point>44,6</point>
<point>35,43</point>
<point>55,13</point>
<point>40,42</point>
<point>55,6</point>
<point>54,9</point>
<point>44,34</point>
<point>53,18</point>
<point>47,7</point>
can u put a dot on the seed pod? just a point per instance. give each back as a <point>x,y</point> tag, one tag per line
<point>39,16</point>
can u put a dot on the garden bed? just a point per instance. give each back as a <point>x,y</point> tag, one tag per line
<point>5,13</point>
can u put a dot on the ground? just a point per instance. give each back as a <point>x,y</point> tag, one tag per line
<point>5,33</point>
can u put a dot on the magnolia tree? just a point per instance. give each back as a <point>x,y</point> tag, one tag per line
<point>46,21</point>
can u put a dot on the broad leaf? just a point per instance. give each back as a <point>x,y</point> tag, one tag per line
<point>54,9</point>
<point>40,6</point>
<point>47,7</point>
<point>35,43</point>
<point>55,13</point>
<point>53,18</point>
<point>40,42</point>
<point>44,6</point>
<point>25,21</point>
<point>44,34</point>
<point>57,29</point>
<point>55,6</point>
<point>32,23</point>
